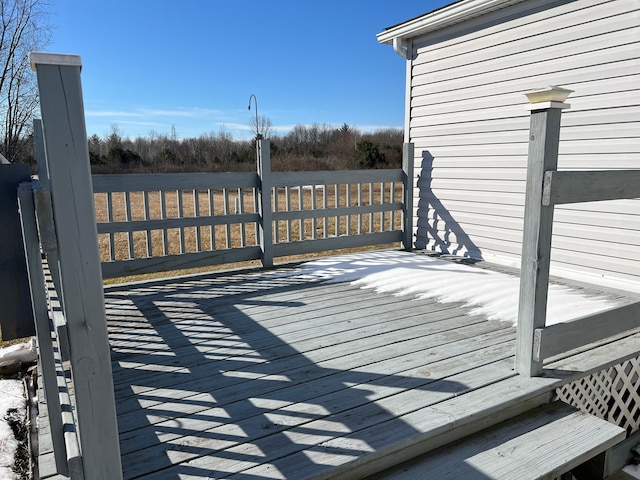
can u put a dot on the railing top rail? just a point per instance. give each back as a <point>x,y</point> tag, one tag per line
<point>331,177</point>
<point>589,186</point>
<point>173,181</point>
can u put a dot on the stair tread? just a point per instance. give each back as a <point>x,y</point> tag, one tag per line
<point>544,443</point>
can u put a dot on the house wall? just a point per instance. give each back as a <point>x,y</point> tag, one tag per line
<point>470,129</point>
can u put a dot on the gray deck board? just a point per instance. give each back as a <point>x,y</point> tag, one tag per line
<point>190,353</point>
<point>272,375</point>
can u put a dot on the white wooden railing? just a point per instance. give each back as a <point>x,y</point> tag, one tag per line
<point>547,187</point>
<point>157,222</point>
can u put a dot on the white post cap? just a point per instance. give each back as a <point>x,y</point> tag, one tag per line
<point>41,58</point>
<point>548,97</point>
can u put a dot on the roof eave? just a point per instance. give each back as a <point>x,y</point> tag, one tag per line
<point>443,17</point>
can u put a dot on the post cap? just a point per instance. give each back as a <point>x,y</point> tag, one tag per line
<point>42,58</point>
<point>548,97</point>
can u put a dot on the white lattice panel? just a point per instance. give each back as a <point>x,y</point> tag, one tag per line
<point>612,394</point>
<point>590,394</point>
<point>625,396</point>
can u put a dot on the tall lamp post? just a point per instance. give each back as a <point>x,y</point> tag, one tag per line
<point>258,136</point>
<point>255,99</point>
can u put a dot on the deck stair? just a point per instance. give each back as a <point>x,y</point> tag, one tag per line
<point>527,430</point>
<point>543,443</point>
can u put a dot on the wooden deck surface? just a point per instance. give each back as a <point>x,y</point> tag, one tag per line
<point>265,375</point>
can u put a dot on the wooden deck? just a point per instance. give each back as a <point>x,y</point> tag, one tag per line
<point>265,375</point>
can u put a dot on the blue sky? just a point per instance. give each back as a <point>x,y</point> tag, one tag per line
<point>148,66</point>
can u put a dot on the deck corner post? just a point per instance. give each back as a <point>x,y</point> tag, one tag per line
<point>67,157</point>
<point>544,133</point>
<point>266,214</point>
<point>407,218</point>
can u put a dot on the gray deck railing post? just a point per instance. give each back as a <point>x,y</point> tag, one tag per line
<point>67,156</point>
<point>544,134</point>
<point>407,169</point>
<point>43,206</point>
<point>265,226</point>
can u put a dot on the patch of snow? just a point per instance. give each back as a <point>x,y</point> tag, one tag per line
<point>12,405</point>
<point>632,470</point>
<point>20,353</point>
<point>492,294</point>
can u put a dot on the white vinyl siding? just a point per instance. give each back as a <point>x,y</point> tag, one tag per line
<point>468,114</point>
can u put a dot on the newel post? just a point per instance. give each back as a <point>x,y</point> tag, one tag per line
<point>407,169</point>
<point>265,226</point>
<point>546,106</point>
<point>67,157</point>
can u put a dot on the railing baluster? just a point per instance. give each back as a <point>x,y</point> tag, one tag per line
<point>196,213</point>
<point>359,204</point>
<point>348,200</point>
<point>212,213</point>
<point>145,203</point>
<point>276,208</point>
<point>392,198</point>
<point>301,223</point>
<point>112,243</point>
<point>243,242</point>
<point>127,216</point>
<point>382,229</point>
<point>313,208</point>
<point>256,208</point>
<point>163,215</point>
<point>225,196</point>
<point>180,215</point>
<point>324,206</point>
<point>287,192</point>
<point>371,219</point>
<point>336,201</point>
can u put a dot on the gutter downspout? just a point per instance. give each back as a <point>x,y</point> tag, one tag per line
<point>401,48</point>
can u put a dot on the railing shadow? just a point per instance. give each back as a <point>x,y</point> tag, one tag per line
<point>205,386</point>
<point>435,223</point>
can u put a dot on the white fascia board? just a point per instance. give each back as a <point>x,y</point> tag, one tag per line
<point>455,13</point>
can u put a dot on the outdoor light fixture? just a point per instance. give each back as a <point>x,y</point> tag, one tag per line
<point>255,99</point>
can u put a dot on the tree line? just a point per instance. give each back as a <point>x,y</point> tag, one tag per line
<point>25,28</point>
<point>315,147</point>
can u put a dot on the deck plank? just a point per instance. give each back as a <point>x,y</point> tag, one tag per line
<point>301,384</point>
<point>300,328</point>
<point>269,375</point>
<point>318,419</point>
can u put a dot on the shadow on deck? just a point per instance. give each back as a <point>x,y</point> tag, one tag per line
<point>270,374</point>
<point>255,373</point>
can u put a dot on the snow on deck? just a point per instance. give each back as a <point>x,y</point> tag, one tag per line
<point>490,293</point>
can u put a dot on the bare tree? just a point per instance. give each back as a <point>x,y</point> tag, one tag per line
<point>264,127</point>
<point>23,29</point>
